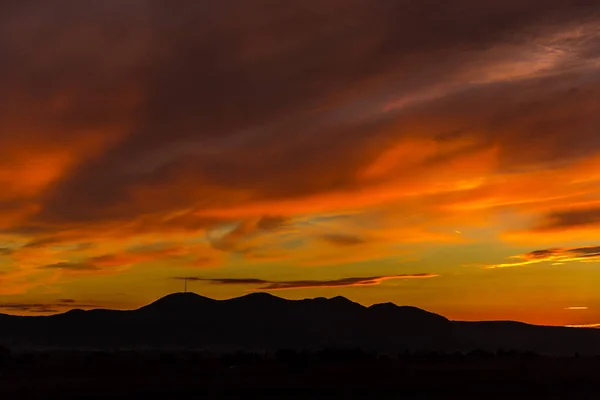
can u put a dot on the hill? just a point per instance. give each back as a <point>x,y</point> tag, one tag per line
<point>263,322</point>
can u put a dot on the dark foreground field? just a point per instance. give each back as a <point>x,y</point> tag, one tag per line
<point>288,374</point>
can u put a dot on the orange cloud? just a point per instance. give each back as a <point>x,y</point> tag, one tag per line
<point>557,256</point>
<point>19,281</point>
<point>116,262</point>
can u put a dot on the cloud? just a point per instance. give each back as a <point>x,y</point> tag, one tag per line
<point>44,310</point>
<point>557,256</point>
<point>254,238</point>
<point>133,121</point>
<point>40,308</point>
<point>563,220</point>
<point>20,306</point>
<point>233,151</point>
<point>42,242</point>
<point>301,284</point>
<point>364,281</point>
<point>20,280</point>
<point>342,239</point>
<point>271,222</point>
<point>576,308</point>
<point>75,267</point>
<point>45,265</point>
<point>224,281</point>
<point>117,262</point>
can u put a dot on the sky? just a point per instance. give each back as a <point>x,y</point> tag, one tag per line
<point>440,154</point>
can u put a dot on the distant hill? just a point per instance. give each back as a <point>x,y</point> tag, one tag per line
<point>263,322</point>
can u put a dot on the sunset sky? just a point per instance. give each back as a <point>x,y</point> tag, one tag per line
<point>440,154</point>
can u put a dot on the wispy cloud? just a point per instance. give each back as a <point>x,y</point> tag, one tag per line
<point>301,284</point>
<point>576,308</point>
<point>76,267</point>
<point>561,220</point>
<point>49,307</point>
<point>584,326</point>
<point>341,239</point>
<point>556,256</point>
<point>114,262</point>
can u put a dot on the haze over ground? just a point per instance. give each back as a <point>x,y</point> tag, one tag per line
<point>444,155</point>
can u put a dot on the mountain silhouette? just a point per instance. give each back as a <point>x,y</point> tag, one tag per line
<point>263,322</point>
<point>178,303</point>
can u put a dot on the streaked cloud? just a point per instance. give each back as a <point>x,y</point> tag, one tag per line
<point>340,239</point>
<point>117,262</point>
<point>354,122</point>
<point>556,256</point>
<point>303,284</point>
<point>44,308</point>
<point>75,267</point>
<point>571,219</point>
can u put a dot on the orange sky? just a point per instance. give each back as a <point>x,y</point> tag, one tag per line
<point>442,155</point>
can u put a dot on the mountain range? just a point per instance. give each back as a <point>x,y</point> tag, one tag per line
<point>263,322</point>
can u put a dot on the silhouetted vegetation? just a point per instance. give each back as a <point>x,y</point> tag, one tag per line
<point>337,372</point>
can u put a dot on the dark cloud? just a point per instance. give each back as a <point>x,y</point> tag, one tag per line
<point>283,285</point>
<point>6,251</point>
<point>20,306</point>
<point>43,242</point>
<point>529,131</point>
<point>271,222</point>
<point>570,219</point>
<point>75,267</point>
<point>542,254</point>
<point>590,251</point>
<point>66,301</point>
<point>587,251</point>
<point>156,112</point>
<point>247,100</point>
<point>374,280</point>
<point>115,262</point>
<point>224,281</point>
<point>342,239</point>
<point>45,307</point>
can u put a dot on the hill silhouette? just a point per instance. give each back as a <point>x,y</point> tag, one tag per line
<point>263,322</point>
